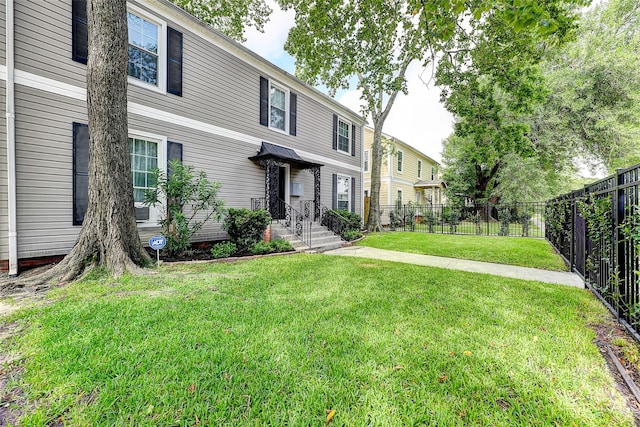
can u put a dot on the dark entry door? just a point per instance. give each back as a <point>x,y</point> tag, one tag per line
<point>278,208</point>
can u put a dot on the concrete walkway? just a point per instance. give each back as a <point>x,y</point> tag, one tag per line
<point>515,272</point>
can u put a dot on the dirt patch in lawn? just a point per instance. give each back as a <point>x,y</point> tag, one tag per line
<point>614,341</point>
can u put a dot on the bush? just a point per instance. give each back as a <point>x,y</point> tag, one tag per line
<point>172,192</point>
<point>261,248</point>
<point>281,246</point>
<point>223,250</point>
<point>346,223</point>
<point>246,227</point>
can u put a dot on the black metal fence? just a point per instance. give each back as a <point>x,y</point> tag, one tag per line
<point>515,219</point>
<point>597,231</point>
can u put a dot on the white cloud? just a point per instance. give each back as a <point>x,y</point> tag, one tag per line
<point>417,119</point>
<point>270,44</point>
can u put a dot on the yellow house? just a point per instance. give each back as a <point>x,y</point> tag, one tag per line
<point>407,174</point>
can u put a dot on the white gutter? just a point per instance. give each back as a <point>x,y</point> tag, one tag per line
<point>11,141</point>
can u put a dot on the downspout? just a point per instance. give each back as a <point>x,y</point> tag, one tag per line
<point>390,186</point>
<point>11,140</point>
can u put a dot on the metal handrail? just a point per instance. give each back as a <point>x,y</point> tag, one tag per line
<point>287,216</point>
<point>331,219</point>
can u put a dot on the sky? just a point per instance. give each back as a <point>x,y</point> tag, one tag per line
<point>417,119</point>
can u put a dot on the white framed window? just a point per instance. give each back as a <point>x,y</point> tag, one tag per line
<point>419,169</point>
<point>344,136</point>
<point>343,192</point>
<point>278,108</point>
<point>433,173</point>
<point>418,197</point>
<point>147,152</point>
<point>400,160</point>
<point>365,160</point>
<point>147,49</point>
<point>399,199</point>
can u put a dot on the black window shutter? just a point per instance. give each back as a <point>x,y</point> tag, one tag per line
<point>293,113</point>
<point>174,61</point>
<point>79,31</point>
<point>334,191</point>
<point>80,171</point>
<point>174,152</point>
<point>264,101</point>
<point>353,140</point>
<point>353,194</point>
<point>335,132</point>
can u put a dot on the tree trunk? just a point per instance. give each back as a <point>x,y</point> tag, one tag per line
<point>109,235</point>
<point>373,221</point>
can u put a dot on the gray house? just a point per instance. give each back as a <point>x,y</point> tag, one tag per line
<point>194,94</point>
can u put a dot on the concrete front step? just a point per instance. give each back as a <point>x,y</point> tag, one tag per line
<point>321,238</point>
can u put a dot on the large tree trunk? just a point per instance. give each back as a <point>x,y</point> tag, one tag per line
<point>109,236</point>
<point>373,221</point>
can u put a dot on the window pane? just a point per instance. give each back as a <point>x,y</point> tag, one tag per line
<point>138,163</point>
<point>343,129</point>
<point>150,37</point>
<point>138,195</point>
<point>139,147</point>
<point>278,98</point>
<point>139,179</point>
<point>134,66</point>
<point>277,118</point>
<point>143,49</point>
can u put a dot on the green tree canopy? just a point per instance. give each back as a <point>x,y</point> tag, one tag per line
<point>593,106</point>
<point>230,17</point>
<point>376,40</point>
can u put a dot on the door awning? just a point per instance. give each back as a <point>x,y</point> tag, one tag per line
<point>286,155</point>
<point>430,184</point>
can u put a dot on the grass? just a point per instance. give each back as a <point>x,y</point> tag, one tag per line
<point>282,340</point>
<point>522,251</point>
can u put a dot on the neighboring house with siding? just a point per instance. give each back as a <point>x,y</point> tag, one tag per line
<point>194,95</point>
<point>407,174</point>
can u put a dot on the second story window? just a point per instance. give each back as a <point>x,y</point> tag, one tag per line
<point>343,136</point>
<point>419,168</point>
<point>278,108</point>
<point>144,59</point>
<point>433,173</point>
<point>365,166</point>
<point>400,158</point>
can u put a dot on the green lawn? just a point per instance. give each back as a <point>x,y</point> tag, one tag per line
<point>526,252</point>
<point>281,340</point>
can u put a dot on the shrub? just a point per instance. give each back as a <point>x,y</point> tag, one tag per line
<point>223,250</point>
<point>281,246</point>
<point>246,227</point>
<point>261,248</point>
<point>346,223</point>
<point>172,192</point>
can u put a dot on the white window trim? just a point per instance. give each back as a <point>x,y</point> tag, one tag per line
<point>161,86</point>
<point>365,161</point>
<point>419,165</point>
<point>349,126</point>
<point>400,195</point>
<point>400,170</point>
<point>349,190</point>
<point>287,111</point>
<point>154,213</point>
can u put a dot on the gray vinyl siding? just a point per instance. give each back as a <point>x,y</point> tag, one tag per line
<point>43,41</point>
<point>218,89</point>
<point>3,50</point>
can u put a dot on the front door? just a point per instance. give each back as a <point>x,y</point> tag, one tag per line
<point>282,193</point>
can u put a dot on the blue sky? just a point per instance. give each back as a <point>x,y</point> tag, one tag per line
<point>417,119</point>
